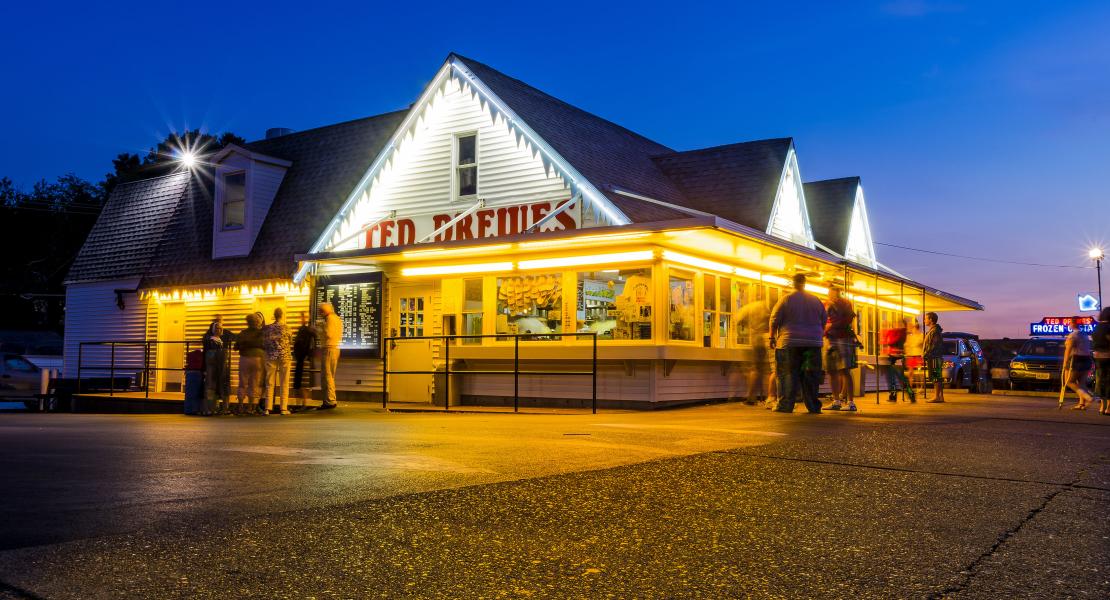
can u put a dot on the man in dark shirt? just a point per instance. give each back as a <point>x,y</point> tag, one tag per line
<point>304,344</point>
<point>797,329</point>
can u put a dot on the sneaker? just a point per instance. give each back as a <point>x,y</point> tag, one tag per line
<point>851,406</point>
<point>834,406</point>
<point>893,397</point>
<point>326,406</point>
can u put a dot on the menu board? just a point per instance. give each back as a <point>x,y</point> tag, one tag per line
<point>358,302</point>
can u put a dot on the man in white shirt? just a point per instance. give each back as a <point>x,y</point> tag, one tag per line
<point>331,333</point>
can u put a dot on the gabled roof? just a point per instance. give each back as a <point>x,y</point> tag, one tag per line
<point>603,152</point>
<point>130,228</point>
<point>830,203</point>
<point>737,181</point>
<point>326,164</point>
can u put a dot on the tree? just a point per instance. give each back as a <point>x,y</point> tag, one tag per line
<point>162,159</point>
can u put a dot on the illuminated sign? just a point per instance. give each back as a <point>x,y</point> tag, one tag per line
<point>1061,325</point>
<point>494,221</point>
<point>1087,302</point>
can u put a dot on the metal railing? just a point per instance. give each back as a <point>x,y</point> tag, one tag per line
<point>516,372</point>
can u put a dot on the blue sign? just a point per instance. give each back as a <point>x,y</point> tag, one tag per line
<point>1061,326</point>
<point>1087,302</point>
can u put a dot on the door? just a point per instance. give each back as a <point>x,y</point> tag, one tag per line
<point>411,317</point>
<point>171,328</point>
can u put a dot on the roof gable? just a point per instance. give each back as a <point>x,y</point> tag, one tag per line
<point>838,214</point>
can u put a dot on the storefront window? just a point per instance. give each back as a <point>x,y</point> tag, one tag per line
<point>615,304</point>
<point>530,304</point>
<point>709,304</point>
<point>681,317</point>
<point>472,310</point>
<point>724,318</point>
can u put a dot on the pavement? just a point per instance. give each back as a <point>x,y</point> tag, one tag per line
<point>981,497</point>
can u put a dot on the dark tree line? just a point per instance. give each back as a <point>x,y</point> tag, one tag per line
<point>42,228</point>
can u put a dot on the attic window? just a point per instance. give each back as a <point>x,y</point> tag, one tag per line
<point>466,165</point>
<point>235,200</point>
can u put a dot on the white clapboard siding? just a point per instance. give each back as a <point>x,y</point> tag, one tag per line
<point>92,315</point>
<point>418,181</point>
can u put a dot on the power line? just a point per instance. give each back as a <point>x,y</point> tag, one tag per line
<point>980,258</point>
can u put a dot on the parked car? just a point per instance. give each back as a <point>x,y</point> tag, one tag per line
<point>19,377</point>
<point>1038,364</point>
<point>965,364</point>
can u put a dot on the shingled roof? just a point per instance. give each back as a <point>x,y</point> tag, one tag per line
<point>327,164</point>
<point>129,230</point>
<point>830,203</point>
<point>605,153</point>
<point>737,181</point>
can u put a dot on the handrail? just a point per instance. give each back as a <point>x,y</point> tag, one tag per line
<point>516,372</point>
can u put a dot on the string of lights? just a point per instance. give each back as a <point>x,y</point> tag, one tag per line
<point>981,258</point>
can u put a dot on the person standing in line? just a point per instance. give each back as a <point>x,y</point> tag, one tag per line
<point>840,350</point>
<point>251,354</point>
<point>304,344</point>
<point>755,316</point>
<point>277,343</point>
<point>217,341</point>
<point>331,333</point>
<point>797,327</point>
<point>1100,350</point>
<point>894,343</point>
<point>932,350</point>
<point>1077,364</point>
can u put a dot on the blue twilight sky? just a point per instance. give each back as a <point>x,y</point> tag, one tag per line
<point>979,128</point>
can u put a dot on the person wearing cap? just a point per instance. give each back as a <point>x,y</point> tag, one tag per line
<point>797,328</point>
<point>331,333</point>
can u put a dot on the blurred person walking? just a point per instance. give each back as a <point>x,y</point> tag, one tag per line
<point>797,329</point>
<point>754,315</point>
<point>1077,364</point>
<point>932,351</point>
<point>331,334</point>
<point>251,354</point>
<point>840,349</point>
<point>1100,350</point>
<point>894,347</point>
<point>304,344</point>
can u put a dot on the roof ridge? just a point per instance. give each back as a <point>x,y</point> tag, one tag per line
<point>855,177</point>
<point>301,132</point>
<point>724,146</point>
<point>560,101</point>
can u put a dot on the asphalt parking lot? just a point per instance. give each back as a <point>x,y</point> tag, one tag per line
<point>982,496</point>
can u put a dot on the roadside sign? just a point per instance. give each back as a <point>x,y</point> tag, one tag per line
<point>1061,325</point>
<point>1088,302</point>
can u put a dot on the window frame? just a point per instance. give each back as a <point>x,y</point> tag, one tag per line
<point>224,200</point>
<point>456,168</point>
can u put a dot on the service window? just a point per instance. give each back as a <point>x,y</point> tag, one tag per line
<point>615,303</point>
<point>680,319</point>
<point>709,308</point>
<point>530,304</point>
<point>472,310</point>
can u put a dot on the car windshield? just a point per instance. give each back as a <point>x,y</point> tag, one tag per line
<point>951,347</point>
<point>1043,348</point>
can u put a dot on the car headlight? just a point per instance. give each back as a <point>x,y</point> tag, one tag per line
<point>1017,364</point>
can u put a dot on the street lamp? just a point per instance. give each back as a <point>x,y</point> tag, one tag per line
<point>1097,255</point>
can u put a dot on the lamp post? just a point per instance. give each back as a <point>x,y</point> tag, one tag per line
<point>1097,255</point>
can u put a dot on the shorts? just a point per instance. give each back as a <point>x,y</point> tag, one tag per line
<point>934,369</point>
<point>840,354</point>
<point>1082,364</point>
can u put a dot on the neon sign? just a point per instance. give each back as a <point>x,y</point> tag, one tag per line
<point>1061,325</point>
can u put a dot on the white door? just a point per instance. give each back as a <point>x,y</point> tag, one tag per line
<point>411,318</point>
<point>171,328</point>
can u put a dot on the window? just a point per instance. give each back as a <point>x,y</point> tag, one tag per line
<point>466,165</point>
<point>681,317</point>
<point>724,319</point>
<point>615,303</point>
<point>709,308</point>
<point>530,304</point>
<point>411,317</point>
<point>235,200</point>
<point>752,306</point>
<point>472,310</point>
<point>18,364</point>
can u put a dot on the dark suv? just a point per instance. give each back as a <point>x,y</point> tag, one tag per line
<point>1037,364</point>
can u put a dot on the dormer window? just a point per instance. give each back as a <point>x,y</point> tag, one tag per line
<point>235,200</point>
<point>466,165</point>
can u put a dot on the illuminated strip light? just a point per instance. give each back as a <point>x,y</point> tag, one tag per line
<point>694,261</point>
<point>456,269</point>
<point>884,304</point>
<point>749,273</point>
<point>574,261</point>
<point>562,242</point>
<point>775,279</point>
<point>456,251</point>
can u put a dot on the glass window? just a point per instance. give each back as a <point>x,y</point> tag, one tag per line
<point>472,310</point>
<point>615,303</point>
<point>15,363</point>
<point>753,316</point>
<point>681,318</point>
<point>709,303</point>
<point>530,304</point>
<point>466,166</point>
<point>235,200</point>
<point>724,308</point>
